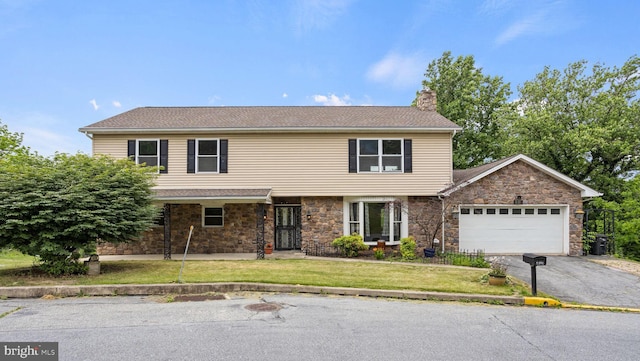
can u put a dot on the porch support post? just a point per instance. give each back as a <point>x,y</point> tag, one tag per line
<point>260,214</point>
<point>167,231</point>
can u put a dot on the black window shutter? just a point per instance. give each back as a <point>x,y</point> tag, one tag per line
<point>408,161</point>
<point>224,148</point>
<point>191,155</point>
<point>164,156</point>
<point>131,149</point>
<point>353,157</point>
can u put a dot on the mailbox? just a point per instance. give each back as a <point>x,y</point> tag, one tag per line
<point>534,260</point>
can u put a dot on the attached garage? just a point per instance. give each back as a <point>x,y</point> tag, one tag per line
<point>514,229</point>
<point>512,206</point>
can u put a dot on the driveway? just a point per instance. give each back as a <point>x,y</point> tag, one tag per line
<point>577,279</point>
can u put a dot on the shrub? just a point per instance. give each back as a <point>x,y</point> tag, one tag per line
<point>408,248</point>
<point>351,245</point>
<point>378,253</point>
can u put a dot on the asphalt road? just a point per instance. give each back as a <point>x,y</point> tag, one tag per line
<point>302,327</point>
<point>576,279</point>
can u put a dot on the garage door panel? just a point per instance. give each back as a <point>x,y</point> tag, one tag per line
<point>512,233</point>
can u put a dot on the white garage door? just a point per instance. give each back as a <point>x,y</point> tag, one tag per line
<point>513,229</point>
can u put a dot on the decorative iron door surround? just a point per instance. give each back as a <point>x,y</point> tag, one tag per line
<point>288,227</point>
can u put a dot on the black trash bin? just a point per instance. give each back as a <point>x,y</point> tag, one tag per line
<point>599,246</point>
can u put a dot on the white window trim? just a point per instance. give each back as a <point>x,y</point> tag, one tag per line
<point>203,216</point>
<point>404,225</point>
<point>208,156</point>
<point>381,155</point>
<point>157,151</point>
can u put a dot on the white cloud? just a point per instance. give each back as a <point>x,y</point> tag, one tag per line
<point>285,95</point>
<point>534,18</point>
<point>213,99</point>
<point>400,71</point>
<point>529,25</point>
<point>496,7</point>
<point>116,104</point>
<point>94,104</point>
<point>332,100</point>
<point>318,14</point>
<point>47,134</point>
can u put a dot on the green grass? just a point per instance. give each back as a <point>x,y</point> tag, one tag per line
<point>13,259</point>
<point>332,273</point>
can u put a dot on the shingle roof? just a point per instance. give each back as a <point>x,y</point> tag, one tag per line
<point>213,194</point>
<point>272,117</point>
<point>464,177</point>
<point>461,175</point>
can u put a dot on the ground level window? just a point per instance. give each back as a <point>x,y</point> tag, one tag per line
<point>213,217</point>
<point>376,221</point>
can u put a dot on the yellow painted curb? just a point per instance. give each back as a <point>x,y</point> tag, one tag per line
<point>603,308</point>
<point>541,301</point>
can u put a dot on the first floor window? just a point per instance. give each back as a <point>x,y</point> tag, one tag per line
<point>213,217</point>
<point>376,220</point>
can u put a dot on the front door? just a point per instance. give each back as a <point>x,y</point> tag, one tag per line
<point>288,227</point>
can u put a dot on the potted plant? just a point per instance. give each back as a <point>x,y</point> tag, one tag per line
<point>268,248</point>
<point>498,272</point>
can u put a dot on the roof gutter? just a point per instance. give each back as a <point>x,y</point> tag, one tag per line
<point>263,130</point>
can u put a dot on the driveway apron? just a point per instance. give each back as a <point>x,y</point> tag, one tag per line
<point>576,279</point>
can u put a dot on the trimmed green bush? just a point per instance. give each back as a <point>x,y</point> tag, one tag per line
<point>408,248</point>
<point>351,245</point>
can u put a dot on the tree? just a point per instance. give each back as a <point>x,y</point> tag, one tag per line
<point>58,208</point>
<point>586,126</point>
<point>627,219</point>
<point>9,142</point>
<point>475,102</point>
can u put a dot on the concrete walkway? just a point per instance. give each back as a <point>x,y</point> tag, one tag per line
<point>204,257</point>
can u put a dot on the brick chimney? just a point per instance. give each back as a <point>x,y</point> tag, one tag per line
<point>427,100</point>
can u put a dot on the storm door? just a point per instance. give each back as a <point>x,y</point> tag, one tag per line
<point>288,226</point>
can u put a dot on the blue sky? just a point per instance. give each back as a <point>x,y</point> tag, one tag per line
<point>66,64</point>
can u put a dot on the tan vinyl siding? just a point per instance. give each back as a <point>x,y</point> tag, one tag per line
<point>300,164</point>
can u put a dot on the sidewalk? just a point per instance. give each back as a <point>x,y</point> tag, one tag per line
<point>204,257</point>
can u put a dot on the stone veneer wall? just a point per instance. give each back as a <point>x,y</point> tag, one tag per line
<point>504,185</point>
<point>238,235</point>
<point>426,211</point>
<point>326,223</point>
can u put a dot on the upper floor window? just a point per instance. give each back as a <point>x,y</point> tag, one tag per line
<point>207,155</point>
<point>150,152</point>
<point>380,156</point>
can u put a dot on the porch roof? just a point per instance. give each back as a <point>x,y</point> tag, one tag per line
<point>227,195</point>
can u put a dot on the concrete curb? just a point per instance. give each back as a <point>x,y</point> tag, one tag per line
<point>550,302</point>
<point>198,288</point>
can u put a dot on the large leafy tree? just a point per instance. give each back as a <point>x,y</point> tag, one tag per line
<point>10,143</point>
<point>627,218</point>
<point>58,208</point>
<point>475,102</point>
<point>583,124</point>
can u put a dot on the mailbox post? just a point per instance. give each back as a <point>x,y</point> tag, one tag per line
<point>534,260</point>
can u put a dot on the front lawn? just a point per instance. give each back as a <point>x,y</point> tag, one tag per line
<point>15,270</point>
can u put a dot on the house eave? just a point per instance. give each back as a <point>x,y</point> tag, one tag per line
<point>116,131</point>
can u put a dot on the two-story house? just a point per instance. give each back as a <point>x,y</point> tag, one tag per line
<point>300,176</point>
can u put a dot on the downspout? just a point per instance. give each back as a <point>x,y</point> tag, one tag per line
<point>442,214</point>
